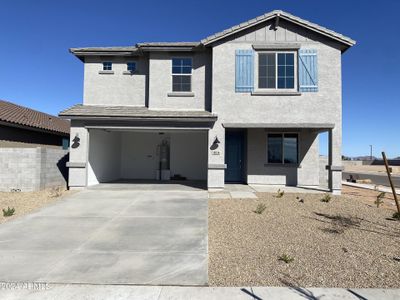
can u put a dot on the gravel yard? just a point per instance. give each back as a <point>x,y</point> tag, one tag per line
<point>26,202</point>
<point>347,242</point>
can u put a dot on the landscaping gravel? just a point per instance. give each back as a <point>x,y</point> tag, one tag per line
<point>26,202</point>
<point>347,242</point>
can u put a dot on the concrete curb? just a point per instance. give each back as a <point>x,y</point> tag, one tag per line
<point>60,291</point>
<point>367,186</point>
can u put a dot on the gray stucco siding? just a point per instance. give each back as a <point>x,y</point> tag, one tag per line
<point>117,88</point>
<point>324,106</point>
<point>305,173</point>
<point>160,83</point>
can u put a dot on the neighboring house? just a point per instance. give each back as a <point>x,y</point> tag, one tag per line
<point>33,149</point>
<point>243,105</point>
<point>22,127</point>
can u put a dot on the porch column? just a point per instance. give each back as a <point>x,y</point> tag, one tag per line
<point>216,157</point>
<point>78,155</point>
<point>335,160</point>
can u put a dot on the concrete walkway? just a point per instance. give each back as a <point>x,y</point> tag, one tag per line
<point>98,292</point>
<point>111,236</point>
<point>244,191</point>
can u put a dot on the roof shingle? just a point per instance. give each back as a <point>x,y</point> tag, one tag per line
<point>90,111</point>
<point>20,115</point>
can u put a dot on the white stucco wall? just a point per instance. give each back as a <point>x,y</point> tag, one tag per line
<point>139,155</point>
<point>140,158</point>
<point>260,172</point>
<point>189,155</point>
<point>104,156</point>
<point>324,106</point>
<point>117,88</point>
<point>160,82</point>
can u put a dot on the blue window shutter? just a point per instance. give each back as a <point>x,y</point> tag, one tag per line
<point>308,70</point>
<point>244,73</point>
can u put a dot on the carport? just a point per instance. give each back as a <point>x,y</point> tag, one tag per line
<point>128,143</point>
<point>160,155</point>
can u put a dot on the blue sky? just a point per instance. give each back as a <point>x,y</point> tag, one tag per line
<point>38,71</point>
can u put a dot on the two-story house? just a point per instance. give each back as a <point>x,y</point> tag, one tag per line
<point>243,105</point>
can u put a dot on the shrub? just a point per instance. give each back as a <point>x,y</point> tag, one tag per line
<point>260,208</point>
<point>286,258</point>
<point>379,198</point>
<point>56,192</point>
<point>8,212</point>
<point>396,215</point>
<point>279,193</point>
<point>327,198</point>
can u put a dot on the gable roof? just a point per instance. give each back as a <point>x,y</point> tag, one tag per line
<point>20,115</point>
<point>285,16</point>
<point>139,48</point>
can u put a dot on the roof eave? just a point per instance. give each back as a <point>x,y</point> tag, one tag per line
<point>348,42</point>
<point>140,118</point>
<point>81,53</point>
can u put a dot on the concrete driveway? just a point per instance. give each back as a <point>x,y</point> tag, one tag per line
<point>109,235</point>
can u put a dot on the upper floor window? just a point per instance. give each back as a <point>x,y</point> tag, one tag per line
<point>282,148</point>
<point>276,70</point>
<point>131,66</point>
<point>107,66</point>
<point>181,74</point>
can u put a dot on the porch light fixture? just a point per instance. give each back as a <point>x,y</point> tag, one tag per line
<point>76,141</point>
<point>215,143</point>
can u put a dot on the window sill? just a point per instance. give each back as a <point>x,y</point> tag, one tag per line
<point>282,165</point>
<point>275,93</point>
<point>180,94</point>
<point>128,72</point>
<point>106,72</point>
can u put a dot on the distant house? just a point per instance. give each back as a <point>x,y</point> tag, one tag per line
<point>22,127</point>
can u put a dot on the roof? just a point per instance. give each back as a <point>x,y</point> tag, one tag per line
<point>132,112</point>
<point>20,115</point>
<point>168,44</point>
<point>190,46</point>
<point>280,14</point>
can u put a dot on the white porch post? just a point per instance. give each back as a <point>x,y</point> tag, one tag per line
<point>216,157</point>
<point>335,161</point>
<point>78,156</point>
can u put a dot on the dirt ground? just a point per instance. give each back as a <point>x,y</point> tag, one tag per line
<point>27,202</point>
<point>347,242</point>
<point>371,169</point>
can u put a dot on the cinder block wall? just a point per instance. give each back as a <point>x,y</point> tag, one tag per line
<point>32,169</point>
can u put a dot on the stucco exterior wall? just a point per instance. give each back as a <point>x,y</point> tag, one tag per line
<point>14,137</point>
<point>260,172</point>
<point>140,156</point>
<point>117,88</point>
<point>324,106</point>
<point>104,156</point>
<point>160,82</point>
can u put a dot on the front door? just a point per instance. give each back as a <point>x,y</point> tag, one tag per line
<point>234,153</point>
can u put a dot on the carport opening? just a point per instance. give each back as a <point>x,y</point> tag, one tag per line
<point>163,157</point>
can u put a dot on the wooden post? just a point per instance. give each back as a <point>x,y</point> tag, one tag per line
<point>390,181</point>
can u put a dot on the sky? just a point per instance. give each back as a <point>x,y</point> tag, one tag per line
<point>38,71</point>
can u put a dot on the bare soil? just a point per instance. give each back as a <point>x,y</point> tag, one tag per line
<point>347,242</point>
<point>27,202</point>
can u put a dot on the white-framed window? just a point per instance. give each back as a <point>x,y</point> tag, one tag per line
<point>277,70</point>
<point>107,66</point>
<point>283,148</point>
<point>131,66</point>
<point>182,74</point>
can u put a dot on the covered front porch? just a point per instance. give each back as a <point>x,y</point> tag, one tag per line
<point>272,156</point>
